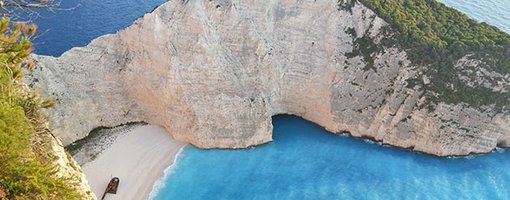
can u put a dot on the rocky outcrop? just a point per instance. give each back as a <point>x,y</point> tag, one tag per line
<point>66,166</point>
<point>214,72</point>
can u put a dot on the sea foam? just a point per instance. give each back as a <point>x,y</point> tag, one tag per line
<point>161,182</point>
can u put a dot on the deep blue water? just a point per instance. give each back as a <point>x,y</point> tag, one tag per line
<point>61,30</point>
<point>307,162</point>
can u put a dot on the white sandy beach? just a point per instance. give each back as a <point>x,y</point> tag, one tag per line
<point>138,158</point>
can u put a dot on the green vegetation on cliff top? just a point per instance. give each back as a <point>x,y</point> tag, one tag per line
<point>434,24</point>
<point>437,36</point>
<point>27,166</point>
<point>436,28</point>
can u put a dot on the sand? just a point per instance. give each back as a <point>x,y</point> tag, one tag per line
<point>138,157</point>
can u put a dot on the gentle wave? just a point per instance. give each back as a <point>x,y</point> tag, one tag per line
<point>161,182</point>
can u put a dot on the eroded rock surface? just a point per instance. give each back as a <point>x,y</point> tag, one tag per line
<point>66,166</point>
<point>214,72</point>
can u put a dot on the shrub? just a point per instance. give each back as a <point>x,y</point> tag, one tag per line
<point>27,167</point>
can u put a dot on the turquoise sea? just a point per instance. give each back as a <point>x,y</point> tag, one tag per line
<point>304,161</point>
<point>307,162</point>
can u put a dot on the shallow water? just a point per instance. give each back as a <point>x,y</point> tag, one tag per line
<point>307,162</point>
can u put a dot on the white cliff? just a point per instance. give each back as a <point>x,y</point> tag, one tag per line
<point>212,73</point>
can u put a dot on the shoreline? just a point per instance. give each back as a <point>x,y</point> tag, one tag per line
<point>160,183</point>
<point>139,157</point>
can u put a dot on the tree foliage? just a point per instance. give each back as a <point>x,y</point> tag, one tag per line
<point>437,36</point>
<point>27,170</point>
<point>434,24</point>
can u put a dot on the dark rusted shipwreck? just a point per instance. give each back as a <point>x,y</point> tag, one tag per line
<point>112,187</point>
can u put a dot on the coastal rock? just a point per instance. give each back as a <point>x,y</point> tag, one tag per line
<point>66,166</point>
<point>213,73</point>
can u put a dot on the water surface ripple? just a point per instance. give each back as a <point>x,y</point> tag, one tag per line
<point>494,12</point>
<point>307,162</point>
<point>63,29</point>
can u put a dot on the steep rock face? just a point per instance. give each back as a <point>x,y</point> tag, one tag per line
<point>67,167</point>
<point>214,72</point>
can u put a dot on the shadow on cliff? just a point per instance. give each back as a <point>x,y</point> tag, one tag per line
<point>97,134</point>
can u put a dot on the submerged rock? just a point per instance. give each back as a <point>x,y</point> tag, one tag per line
<point>212,73</point>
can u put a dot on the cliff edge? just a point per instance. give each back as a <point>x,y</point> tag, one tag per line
<point>212,73</point>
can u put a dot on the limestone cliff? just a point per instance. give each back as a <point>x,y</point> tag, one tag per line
<point>214,72</point>
<point>68,168</point>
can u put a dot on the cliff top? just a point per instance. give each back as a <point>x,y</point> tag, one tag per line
<point>446,41</point>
